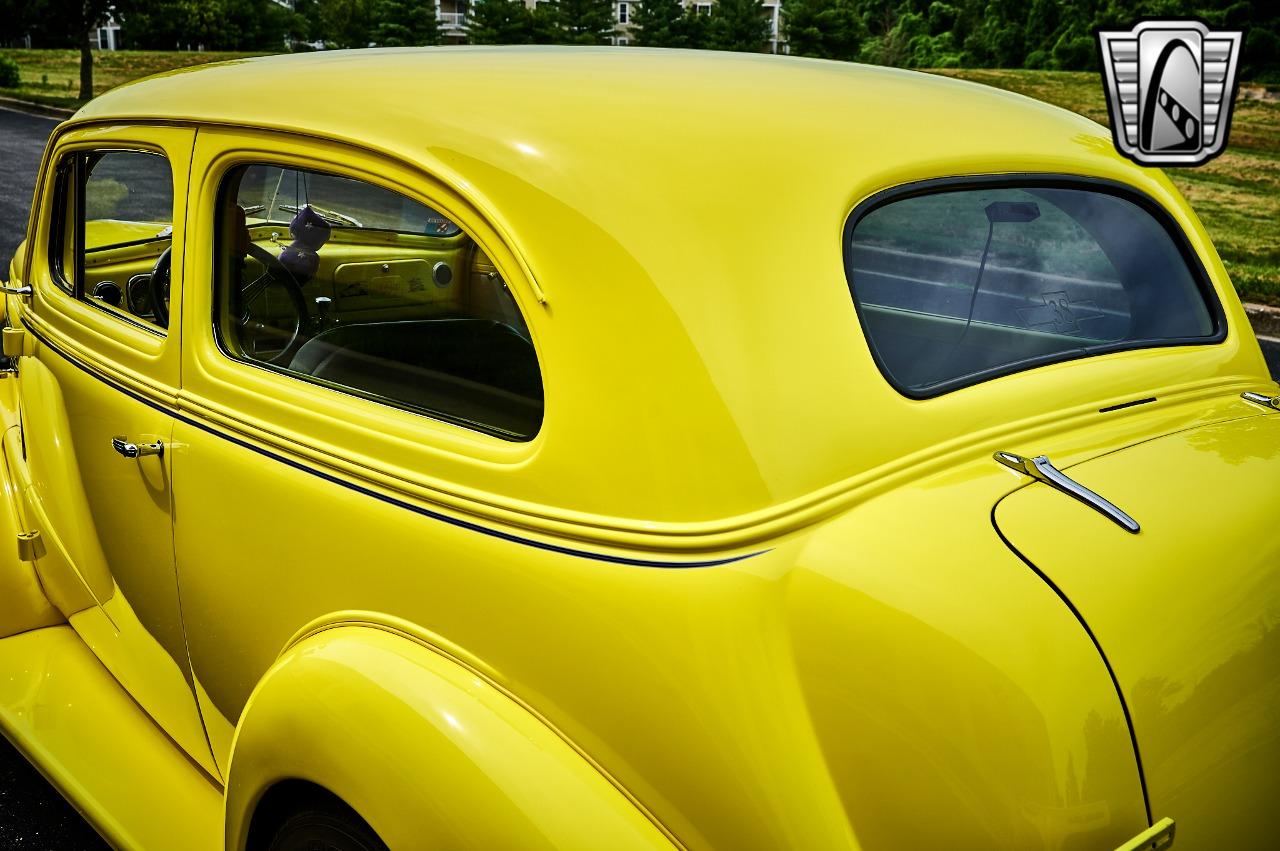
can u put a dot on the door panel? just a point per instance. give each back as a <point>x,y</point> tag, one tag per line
<point>1187,611</point>
<point>94,373</point>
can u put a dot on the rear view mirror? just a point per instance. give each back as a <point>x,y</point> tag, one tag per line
<point>1012,211</point>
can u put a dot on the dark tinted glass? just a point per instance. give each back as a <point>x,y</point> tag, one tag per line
<point>956,286</point>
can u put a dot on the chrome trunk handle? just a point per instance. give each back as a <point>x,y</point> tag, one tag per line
<point>1042,470</point>
<point>136,450</point>
<point>1262,399</point>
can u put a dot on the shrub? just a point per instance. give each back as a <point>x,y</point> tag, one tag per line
<point>10,78</point>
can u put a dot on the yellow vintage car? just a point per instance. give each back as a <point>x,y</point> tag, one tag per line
<point>622,449</point>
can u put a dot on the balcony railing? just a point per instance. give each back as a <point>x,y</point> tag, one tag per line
<point>452,20</point>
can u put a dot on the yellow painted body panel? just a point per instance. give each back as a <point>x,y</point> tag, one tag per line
<point>24,605</point>
<point>1186,610</point>
<point>87,736</point>
<point>736,593</point>
<point>482,771</point>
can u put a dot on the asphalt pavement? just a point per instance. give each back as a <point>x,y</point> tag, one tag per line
<point>32,814</point>
<point>22,139</point>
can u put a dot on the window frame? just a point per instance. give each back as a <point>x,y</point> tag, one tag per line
<point>220,177</point>
<point>70,177</point>
<point>1032,180</point>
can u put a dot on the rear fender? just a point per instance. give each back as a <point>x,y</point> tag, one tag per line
<point>427,749</point>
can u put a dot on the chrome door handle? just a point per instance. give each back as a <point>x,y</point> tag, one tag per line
<point>23,290</point>
<point>1040,469</point>
<point>136,450</point>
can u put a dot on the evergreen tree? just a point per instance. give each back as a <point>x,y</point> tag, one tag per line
<point>405,23</point>
<point>658,23</point>
<point>500,22</point>
<point>544,23</point>
<point>695,29</point>
<point>739,25</point>
<point>826,29</point>
<point>586,21</point>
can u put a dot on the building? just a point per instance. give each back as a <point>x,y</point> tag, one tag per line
<point>107,36</point>
<point>452,15</point>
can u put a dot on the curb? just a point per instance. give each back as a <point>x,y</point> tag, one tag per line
<point>39,109</point>
<point>1264,318</point>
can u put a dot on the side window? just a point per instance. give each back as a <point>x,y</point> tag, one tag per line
<point>112,229</point>
<point>354,287</point>
<point>957,286</point>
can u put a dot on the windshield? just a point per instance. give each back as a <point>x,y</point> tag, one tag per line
<point>275,194</point>
<point>960,285</point>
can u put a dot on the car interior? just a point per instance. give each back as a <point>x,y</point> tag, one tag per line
<point>348,285</point>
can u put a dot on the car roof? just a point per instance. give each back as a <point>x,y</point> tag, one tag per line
<point>683,212</point>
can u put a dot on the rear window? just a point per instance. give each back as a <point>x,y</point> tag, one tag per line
<point>958,285</point>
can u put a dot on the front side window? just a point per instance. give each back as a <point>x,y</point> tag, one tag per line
<point>346,284</point>
<point>957,285</point>
<point>113,226</point>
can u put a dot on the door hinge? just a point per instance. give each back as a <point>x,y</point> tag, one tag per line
<point>14,338</point>
<point>30,546</point>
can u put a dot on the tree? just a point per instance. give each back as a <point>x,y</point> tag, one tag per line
<point>585,21</point>
<point>212,24</point>
<point>545,23</point>
<point>500,22</point>
<point>695,28</point>
<point>739,25</point>
<point>657,23</point>
<point>826,29</point>
<point>1043,17</point>
<point>345,23</point>
<point>404,23</point>
<point>17,17</point>
<point>73,22</point>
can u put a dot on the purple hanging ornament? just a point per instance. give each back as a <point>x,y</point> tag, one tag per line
<point>310,232</point>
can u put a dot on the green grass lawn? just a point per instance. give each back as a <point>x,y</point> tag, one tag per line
<point>53,76</point>
<point>1237,195</point>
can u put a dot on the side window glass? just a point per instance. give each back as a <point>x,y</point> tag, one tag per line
<point>113,230</point>
<point>351,286</point>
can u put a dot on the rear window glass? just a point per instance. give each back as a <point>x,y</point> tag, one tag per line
<point>959,285</point>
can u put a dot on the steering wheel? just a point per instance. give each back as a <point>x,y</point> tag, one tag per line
<point>160,274</point>
<point>251,331</point>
